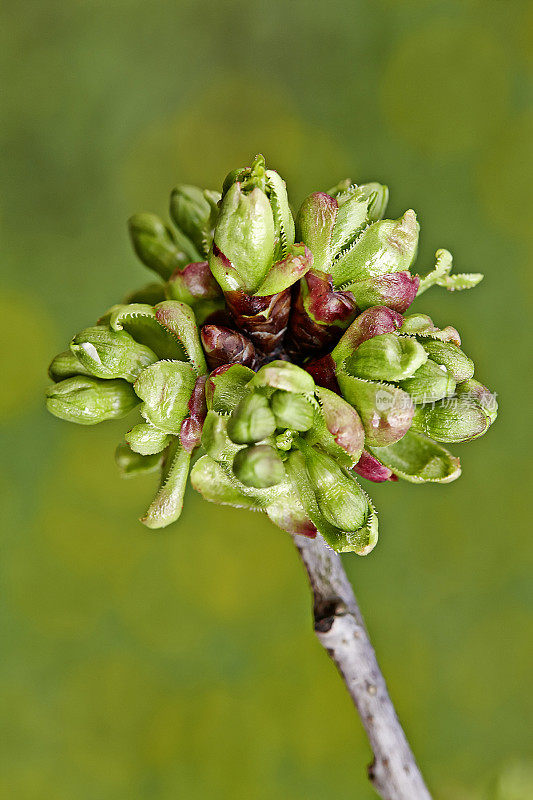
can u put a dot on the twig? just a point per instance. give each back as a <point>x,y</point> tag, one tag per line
<point>341,631</point>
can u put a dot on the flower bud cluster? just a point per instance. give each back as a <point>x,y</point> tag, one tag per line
<point>280,352</point>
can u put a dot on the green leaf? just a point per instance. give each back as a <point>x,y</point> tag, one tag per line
<point>419,460</point>
<point>140,321</point>
<point>179,320</point>
<point>440,275</point>
<point>132,464</point>
<point>381,248</point>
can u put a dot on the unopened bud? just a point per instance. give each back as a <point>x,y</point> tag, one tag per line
<point>460,367</point>
<point>252,420</point>
<point>111,354</point>
<point>154,244</point>
<point>87,400</point>
<point>340,498</point>
<point>386,357</point>
<point>191,212</point>
<point>259,466</point>
<point>454,419</point>
<point>431,382</point>
<point>284,375</point>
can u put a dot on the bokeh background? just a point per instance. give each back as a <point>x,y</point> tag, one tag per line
<point>182,663</point>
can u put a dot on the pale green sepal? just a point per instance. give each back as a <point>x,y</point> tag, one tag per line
<point>477,393</point>
<point>283,219</point>
<point>350,219</point>
<point>215,439</point>
<point>417,459</point>
<point>166,388</point>
<point>132,464</point>
<point>296,262</point>
<point>378,196</point>
<point>363,540</point>
<point>167,505</point>
<point>146,439</point>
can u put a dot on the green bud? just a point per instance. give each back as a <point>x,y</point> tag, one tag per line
<point>88,401</point>
<point>191,212</point>
<point>252,420</point>
<point>340,498</point>
<point>453,419</point>
<point>477,393</point>
<point>292,411</point>
<point>146,439</point>
<point>111,354</point>
<point>66,365</point>
<point>132,464</point>
<point>386,411</point>
<point>245,236</point>
<point>460,367</point>
<point>259,466</point>
<point>284,375</point>
<point>166,389</point>
<point>219,485</point>
<point>382,248</point>
<point>155,245</point>
<point>386,357</point>
<point>430,382</point>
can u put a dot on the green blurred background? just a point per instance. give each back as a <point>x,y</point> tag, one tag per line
<point>182,663</point>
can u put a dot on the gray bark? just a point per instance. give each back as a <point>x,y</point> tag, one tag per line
<point>341,630</point>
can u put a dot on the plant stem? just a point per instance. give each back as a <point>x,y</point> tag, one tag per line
<point>341,630</point>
